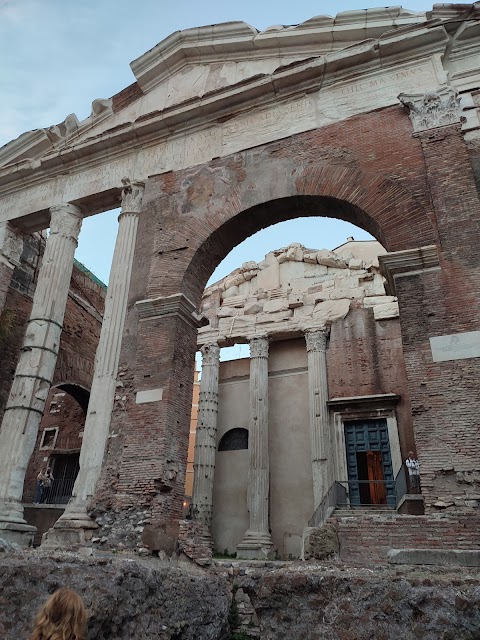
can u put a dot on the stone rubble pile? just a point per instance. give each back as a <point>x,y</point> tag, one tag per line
<point>292,288</point>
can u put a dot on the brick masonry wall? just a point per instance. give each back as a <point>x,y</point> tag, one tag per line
<point>63,412</point>
<point>191,220</point>
<point>365,357</point>
<point>445,395</point>
<point>367,539</point>
<point>80,335</point>
<point>370,170</point>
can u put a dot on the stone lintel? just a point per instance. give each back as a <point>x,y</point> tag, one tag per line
<point>406,263</point>
<point>175,305</point>
<point>380,401</point>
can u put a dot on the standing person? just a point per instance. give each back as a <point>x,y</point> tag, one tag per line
<point>40,481</point>
<point>62,617</point>
<point>413,472</point>
<point>47,484</point>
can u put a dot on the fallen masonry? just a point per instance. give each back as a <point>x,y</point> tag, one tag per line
<point>151,599</point>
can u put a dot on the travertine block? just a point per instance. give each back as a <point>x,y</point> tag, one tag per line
<point>375,288</point>
<point>295,301</point>
<point>301,313</point>
<point>375,300</point>
<point>331,310</point>
<point>228,293</point>
<point>277,304</point>
<point>236,301</point>
<point>313,298</point>
<point>295,253</point>
<point>269,278</point>
<point>385,311</point>
<point>234,280</point>
<point>225,324</point>
<point>252,308</point>
<point>330,259</point>
<point>338,294</point>
<point>310,257</point>
<point>355,263</point>
<point>225,312</point>
<point>274,317</point>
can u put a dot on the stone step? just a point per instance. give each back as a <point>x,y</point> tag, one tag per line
<point>360,512</point>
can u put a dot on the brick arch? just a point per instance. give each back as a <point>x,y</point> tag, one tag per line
<point>372,201</point>
<point>73,369</point>
<point>78,392</point>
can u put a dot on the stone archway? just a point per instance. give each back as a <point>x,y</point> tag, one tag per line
<point>198,216</point>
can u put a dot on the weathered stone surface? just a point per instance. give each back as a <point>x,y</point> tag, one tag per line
<point>321,543</point>
<point>331,310</point>
<point>385,311</point>
<point>126,600</point>
<point>330,259</point>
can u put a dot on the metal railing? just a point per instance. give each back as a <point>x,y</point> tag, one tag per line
<point>339,495</point>
<point>59,492</point>
<point>327,506</point>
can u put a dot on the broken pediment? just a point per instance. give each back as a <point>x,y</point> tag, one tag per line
<point>196,63</point>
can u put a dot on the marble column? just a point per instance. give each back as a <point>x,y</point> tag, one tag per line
<point>11,246</point>
<point>35,369</point>
<point>320,438</point>
<point>257,542</point>
<point>206,436</point>
<point>71,526</point>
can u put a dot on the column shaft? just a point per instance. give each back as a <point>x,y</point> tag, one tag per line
<point>11,245</point>
<point>102,394</point>
<point>257,541</point>
<point>206,435</point>
<point>36,366</point>
<point>320,437</point>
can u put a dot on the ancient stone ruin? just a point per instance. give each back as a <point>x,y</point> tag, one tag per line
<point>370,117</point>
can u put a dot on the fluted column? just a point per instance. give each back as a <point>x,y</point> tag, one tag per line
<point>206,435</point>
<point>257,542</point>
<point>36,366</point>
<point>11,245</point>
<point>95,433</point>
<point>320,438</point>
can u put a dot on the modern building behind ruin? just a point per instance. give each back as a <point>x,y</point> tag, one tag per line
<point>371,117</point>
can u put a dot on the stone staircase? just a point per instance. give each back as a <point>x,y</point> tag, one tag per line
<point>360,512</point>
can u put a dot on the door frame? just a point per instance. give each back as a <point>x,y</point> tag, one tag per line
<point>358,409</point>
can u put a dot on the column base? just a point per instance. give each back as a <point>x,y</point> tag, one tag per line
<point>73,529</point>
<point>256,546</point>
<point>18,533</point>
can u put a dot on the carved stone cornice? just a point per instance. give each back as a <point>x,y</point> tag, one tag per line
<point>317,339</point>
<point>175,305</point>
<point>11,245</point>
<point>406,263</point>
<point>66,220</point>
<point>433,108</point>
<point>210,354</point>
<point>132,195</point>
<point>259,347</point>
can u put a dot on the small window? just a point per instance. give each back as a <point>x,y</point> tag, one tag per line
<point>49,438</point>
<point>234,440</point>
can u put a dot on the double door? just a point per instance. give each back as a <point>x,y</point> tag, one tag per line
<point>369,463</point>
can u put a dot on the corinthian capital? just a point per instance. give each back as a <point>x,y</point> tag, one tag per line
<point>210,354</point>
<point>132,195</point>
<point>11,244</point>
<point>259,347</point>
<point>66,220</point>
<point>316,339</point>
<point>432,109</point>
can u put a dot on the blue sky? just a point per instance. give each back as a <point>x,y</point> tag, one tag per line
<point>56,56</point>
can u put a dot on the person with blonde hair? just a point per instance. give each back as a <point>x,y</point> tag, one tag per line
<point>62,617</point>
